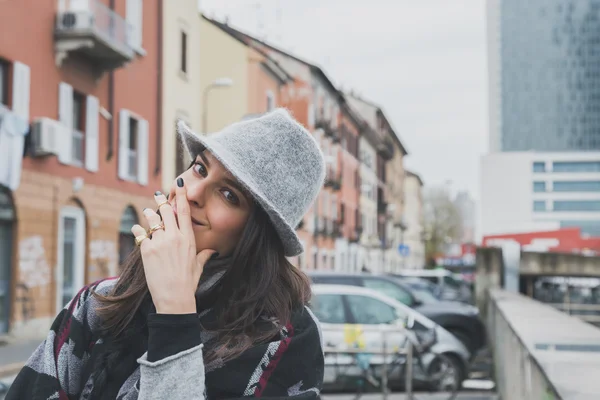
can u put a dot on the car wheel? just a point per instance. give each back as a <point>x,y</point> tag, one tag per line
<point>445,373</point>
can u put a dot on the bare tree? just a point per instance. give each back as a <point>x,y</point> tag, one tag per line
<point>442,221</point>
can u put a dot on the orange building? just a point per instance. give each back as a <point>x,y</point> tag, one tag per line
<point>84,79</point>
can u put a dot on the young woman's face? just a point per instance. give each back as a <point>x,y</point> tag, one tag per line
<point>218,206</point>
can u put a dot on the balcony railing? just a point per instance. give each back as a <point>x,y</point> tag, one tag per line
<point>328,128</point>
<point>95,30</point>
<point>382,207</point>
<point>333,179</point>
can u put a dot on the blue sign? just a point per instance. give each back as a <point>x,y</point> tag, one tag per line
<point>404,250</point>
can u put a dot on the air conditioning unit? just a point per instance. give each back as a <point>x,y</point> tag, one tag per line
<point>74,20</point>
<point>46,136</point>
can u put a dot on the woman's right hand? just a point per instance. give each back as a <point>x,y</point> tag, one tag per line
<point>171,264</point>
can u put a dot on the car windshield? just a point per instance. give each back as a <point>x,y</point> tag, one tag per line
<point>423,295</point>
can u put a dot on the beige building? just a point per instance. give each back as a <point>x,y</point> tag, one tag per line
<point>224,77</point>
<point>181,84</point>
<point>413,219</point>
<point>395,225</point>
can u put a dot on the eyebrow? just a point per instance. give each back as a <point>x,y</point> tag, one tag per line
<point>229,181</point>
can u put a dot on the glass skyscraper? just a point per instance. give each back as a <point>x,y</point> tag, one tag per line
<point>544,64</point>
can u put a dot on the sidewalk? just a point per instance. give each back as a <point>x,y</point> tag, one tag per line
<point>417,396</point>
<point>14,355</point>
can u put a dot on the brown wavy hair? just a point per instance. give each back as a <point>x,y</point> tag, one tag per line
<point>259,282</point>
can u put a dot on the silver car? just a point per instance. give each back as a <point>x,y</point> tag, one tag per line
<point>352,316</point>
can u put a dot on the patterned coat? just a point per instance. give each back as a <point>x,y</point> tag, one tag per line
<point>290,366</point>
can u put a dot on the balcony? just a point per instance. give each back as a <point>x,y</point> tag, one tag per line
<point>386,149</point>
<point>355,237</point>
<point>333,180</point>
<point>382,207</point>
<point>336,230</point>
<point>327,127</point>
<point>95,31</point>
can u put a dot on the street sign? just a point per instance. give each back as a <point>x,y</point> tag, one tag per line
<point>403,250</point>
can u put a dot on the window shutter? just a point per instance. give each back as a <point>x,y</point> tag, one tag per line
<point>142,151</point>
<point>65,116</point>
<point>21,85</point>
<point>124,144</point>
<point>134,19</point>
<point>91,133</point>
<point>15,144</point>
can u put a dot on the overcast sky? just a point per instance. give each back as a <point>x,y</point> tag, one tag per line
<point>422,61</point>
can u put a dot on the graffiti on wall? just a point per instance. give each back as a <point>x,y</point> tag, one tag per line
<point>103,257</point>
<point>34,270</point>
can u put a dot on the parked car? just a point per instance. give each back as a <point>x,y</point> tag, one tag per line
<point>462,320</point>
<point>343,309</point>
<point>452,286</point>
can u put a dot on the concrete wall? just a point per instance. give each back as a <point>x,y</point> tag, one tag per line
<point>182,93</point>
<point>559,264</point>
<point>539,352</point>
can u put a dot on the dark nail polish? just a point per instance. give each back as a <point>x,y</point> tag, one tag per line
<point>214,255</point>
<point>180,182</point>
<point>167,196</point>
<point>157,193</point>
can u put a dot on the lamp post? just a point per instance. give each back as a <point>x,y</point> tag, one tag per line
<point>217,83</point>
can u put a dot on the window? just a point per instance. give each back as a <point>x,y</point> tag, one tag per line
<point>370,311</point>
<point>576,186</point>
<point>4,82</point>
<point>539,166</point>
<point>7,225</point>
<point>539,186</point>
<point>389,289</point>
<point>576,166</point>
<point>342,213</point>
<point>133,148</point>
<point>270,100</point>
<point>78,125</point>
<point>589,227</point>
<point>71,254</point>
<point>183,52</point>
<point>576,205</point>
<point>539,205</point>
<point>328,308</point>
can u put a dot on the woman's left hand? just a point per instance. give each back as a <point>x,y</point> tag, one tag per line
<point>171,265</point>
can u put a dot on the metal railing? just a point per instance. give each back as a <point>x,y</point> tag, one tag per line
<point>96,17</point>
<point>387,356</point>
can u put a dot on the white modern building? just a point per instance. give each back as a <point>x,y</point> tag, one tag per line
<point>533,191</point>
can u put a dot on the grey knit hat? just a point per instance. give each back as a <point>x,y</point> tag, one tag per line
<point>276,159</point>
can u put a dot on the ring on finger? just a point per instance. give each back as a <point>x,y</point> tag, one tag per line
<point>139,239</point>
<point>163,203</point>
<point>155,228</point>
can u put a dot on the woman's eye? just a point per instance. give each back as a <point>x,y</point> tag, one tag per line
<point>230,197</point>
<point>200,168</point>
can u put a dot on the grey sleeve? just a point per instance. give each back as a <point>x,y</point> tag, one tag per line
<point>180,376</point>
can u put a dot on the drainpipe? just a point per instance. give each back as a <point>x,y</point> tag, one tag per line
<point>159,118</point>
<point>111,104</point>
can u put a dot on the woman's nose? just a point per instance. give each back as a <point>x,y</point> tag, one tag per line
<point>195,191</point>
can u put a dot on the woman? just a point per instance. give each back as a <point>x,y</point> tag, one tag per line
<point>208,306</point>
